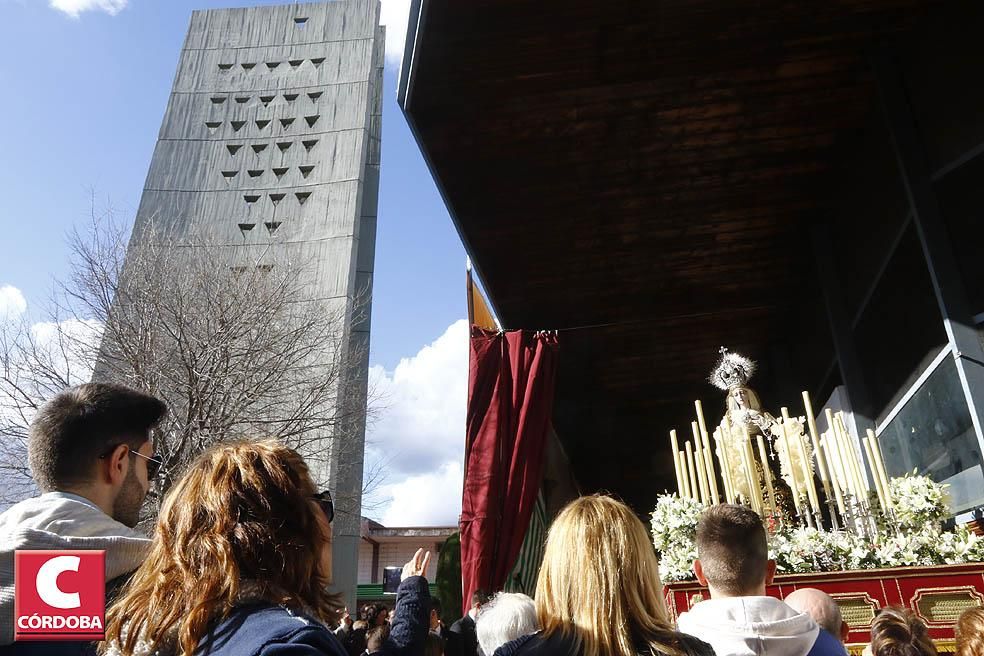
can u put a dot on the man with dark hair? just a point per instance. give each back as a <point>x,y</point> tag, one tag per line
<point>740,619</point>
<point>92,456</point>
<point>466,637</point>
<point>449,641</point>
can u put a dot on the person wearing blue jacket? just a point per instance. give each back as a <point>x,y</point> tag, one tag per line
<point>240,565</point>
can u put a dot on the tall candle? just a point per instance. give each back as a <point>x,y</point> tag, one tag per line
<point>843,467</point>
<point>811,488</point>
<point>682,459</point>
<point>691,470</point>
<point>676,461</point>
<point>834,476</point>
<point>751,472</point>
<point>815,443</point>
<point>855,457</point>
<point>880,465</point>
<point>708,459</point>
<point>705,493</point>
<point>793,482</point>
<point>725,462</point>
<point>768,474</point>
<point>874,473</point>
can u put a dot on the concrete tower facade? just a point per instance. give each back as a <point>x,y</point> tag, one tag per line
<point>271,139</point>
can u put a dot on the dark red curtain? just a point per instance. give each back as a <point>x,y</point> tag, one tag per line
<point>510,403</point>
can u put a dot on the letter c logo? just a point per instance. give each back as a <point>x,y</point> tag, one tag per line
<point>47,582</point>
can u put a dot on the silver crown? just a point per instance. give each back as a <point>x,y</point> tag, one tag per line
<point>732,370</point>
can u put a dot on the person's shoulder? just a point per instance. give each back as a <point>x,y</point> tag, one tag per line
<point>461,624</point>
<point>527,644</point>
<point>693,646</point>
<point>827,645</point>
<point>270,629</point>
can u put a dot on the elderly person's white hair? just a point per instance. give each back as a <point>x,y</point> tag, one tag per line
<point>509,615</point>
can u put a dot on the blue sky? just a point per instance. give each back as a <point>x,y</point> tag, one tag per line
<point>86,86</point>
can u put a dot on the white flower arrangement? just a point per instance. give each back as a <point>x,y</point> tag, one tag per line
<point>915,541</point>
<point>919,502</point>
<point>674,529</point>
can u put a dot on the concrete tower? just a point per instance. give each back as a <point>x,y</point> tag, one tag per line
<point>272,137</point>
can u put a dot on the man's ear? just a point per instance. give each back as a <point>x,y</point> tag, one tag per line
<point>770,571</point>
<point>114,467</point>
<point>699,571</point>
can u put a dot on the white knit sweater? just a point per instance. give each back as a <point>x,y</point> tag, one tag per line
<point>58,520</point>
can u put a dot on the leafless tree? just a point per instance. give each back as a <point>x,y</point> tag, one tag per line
<point>229,336</point>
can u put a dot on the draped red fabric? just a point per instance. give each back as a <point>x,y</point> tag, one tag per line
<point>510,403</point>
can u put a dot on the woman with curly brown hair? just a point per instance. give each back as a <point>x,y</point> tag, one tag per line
<point>240,564</point>
<point>970,632</point>
<point>898,632</point>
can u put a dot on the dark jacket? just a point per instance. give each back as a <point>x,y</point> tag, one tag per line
<point>269,630</point>
<point>558,645</point>
<point>466,643</point>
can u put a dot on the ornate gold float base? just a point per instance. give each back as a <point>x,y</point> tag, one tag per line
<point>936,594</point>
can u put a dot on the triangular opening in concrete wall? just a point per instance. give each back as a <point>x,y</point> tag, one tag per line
<point>272,65</point>
<point>236,125</point>
<point>284,146</point>
<point>302,196</point>
<point>294,63</point>
<point>314,95</point>
<point>251,198</point>
<point>255,173</point>
<point>246,227</point>
<point>272,226</point>
<point>248,66</point>
<point>228,175</point>
<point>218,100</point>
<point>211,125</point>
<point>300,21</point>
<point>262,123</point>
<point>276,198</point>
<point>279,172</point>
<point>242,99</point>
<point>290,97</point>
<point>318,61</point>
<point>266,100</point>
<point>258,148</point>
<point>225,67</point>
<point>233,148</point>
<point>286,122</point>
<point>311,120</point>
<point>309,144</point>
<point>305,170</point>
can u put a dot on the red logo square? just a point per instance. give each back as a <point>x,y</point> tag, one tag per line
<point>59,595</point>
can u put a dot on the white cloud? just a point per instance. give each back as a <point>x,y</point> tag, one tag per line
<point>75,7</point>
<point>419,437</point>
<point>394,17</point>
<point>432,499</point>
<point>12,302</point>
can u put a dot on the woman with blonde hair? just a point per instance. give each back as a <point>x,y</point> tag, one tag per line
<point>970,632</point>
<point>240,565</point>
<point>599,593</point>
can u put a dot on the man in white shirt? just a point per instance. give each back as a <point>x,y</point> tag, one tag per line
<point>92,456</point>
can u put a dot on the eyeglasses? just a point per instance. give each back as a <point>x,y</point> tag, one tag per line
<point>154,463</point>
<point>326,504</point>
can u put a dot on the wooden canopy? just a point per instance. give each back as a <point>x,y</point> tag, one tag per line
<point>642,176</point>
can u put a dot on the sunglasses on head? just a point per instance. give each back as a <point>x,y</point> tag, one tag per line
<point>154,463</point>
<point>326,504</point>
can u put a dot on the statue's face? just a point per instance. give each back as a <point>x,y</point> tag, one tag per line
<point>740,395</point>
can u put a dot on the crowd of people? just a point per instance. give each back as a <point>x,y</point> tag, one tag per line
<point>240,565</point>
